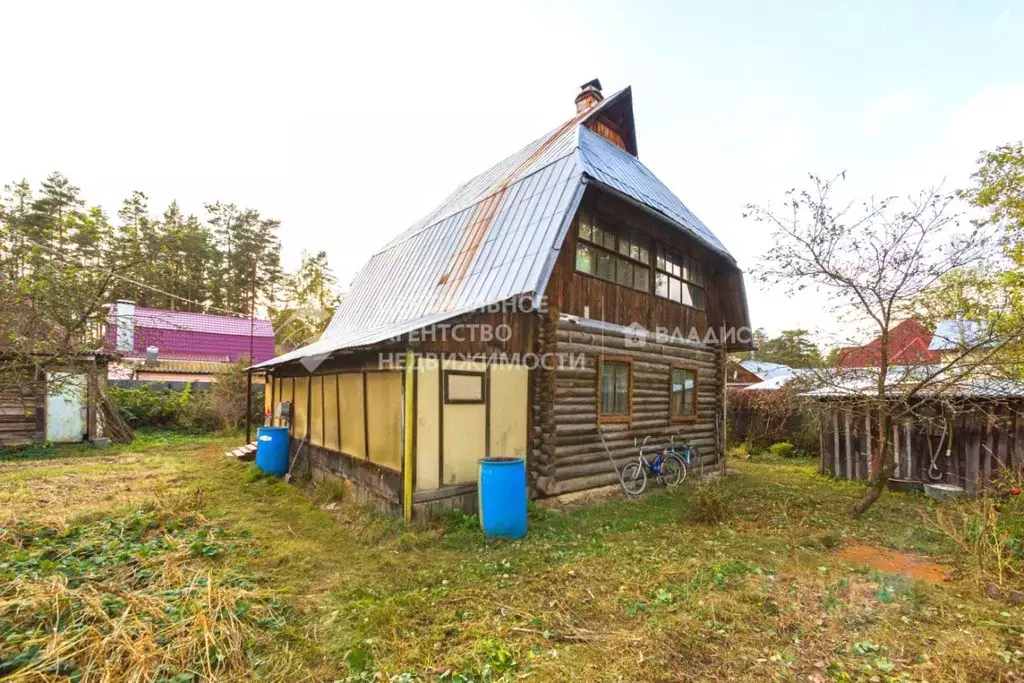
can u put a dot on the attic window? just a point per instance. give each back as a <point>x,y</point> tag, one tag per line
<point>679,278</point>
<point>619,256</point>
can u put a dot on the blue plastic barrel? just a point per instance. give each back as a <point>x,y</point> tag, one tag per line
<point>272,450</point>
<point>501,492</point>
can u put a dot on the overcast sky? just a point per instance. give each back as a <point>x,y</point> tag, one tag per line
<point>348,122</point>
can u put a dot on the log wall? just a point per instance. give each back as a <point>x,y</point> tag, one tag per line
<point>985,440</point>
<point>567,452</point>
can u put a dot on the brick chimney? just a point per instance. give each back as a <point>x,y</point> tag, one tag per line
<point>590,94</point>
<point>124,318</point>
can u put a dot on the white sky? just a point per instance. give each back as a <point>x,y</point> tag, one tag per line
<point>350,121</point>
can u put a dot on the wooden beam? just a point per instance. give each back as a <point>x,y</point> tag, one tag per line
<point>248,407</point>
<point>851,473</point>
<point>910,450</point>
<point>835,442</point>
<point>410,417</point>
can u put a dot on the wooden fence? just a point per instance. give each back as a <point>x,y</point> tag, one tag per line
<point>980,439</point>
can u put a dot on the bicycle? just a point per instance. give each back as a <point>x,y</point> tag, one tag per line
<point>668,469</point>
<point>686,453</point>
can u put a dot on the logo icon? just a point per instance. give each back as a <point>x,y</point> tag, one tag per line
<point>636,336</point>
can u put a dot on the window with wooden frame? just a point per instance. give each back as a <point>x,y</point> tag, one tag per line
<point>682,404</point>
<point>613,254</point>
<point>465,386</point>
<point>679,278</point>
<point>614,389</point>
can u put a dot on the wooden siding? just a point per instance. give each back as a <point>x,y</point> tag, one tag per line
<point>384,418</point>
<point>590,297</point>
<point>18,419</point>
<point>567,453</point>
<point>983,443</point>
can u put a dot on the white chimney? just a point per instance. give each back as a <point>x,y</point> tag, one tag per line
<point>151,355</point>
<point>125,320</point>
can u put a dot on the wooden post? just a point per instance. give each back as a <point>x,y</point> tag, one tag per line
<point>988,452</point>
<point>248,407</point>
<point>867,441</point>
<point>835,443</point>
<point>408,461</point>
<point>910,450</point>
<point>849,445</point>
<point>821,447</point>
<point>896,450</point>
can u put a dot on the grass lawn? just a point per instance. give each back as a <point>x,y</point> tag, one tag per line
<point>167,561</point>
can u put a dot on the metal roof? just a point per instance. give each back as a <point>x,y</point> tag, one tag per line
<point>495,237</point>
<point>766,370</point>
<point>206,323</point>
<point>956,334</point>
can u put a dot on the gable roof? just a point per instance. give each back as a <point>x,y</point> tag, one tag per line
<point>909,344</point>
<point>496,237</point>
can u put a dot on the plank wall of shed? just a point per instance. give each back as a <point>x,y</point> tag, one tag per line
<point>985,440</point>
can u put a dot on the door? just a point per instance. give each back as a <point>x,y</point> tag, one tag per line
<point>66,407</point>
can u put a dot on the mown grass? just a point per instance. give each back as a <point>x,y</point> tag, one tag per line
<point>620,590</point>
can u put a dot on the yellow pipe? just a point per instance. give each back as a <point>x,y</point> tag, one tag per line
<point>410,415</point>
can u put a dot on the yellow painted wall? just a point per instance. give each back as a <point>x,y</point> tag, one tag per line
<point>352,435</point>
<point>427,427</point>
<point>384,418</point>
<point>316,431</point>
<point>509,399</point>
<point>465,433</point>
<point>331,412</point>
<point>301,394</point>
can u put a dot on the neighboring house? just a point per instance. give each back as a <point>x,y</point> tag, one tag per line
<point>909,344</point>
<point>739,376</point>
<point>553,273</point>
<point>160,345</point>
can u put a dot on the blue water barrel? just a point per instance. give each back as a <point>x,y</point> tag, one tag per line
<point>272,450</point>
<point>501,492</point>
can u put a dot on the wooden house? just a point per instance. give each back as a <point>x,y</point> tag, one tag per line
<point>562,291</point>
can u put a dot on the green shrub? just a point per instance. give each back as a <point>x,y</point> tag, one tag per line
<point>783,449</point>
<point>710,503</point>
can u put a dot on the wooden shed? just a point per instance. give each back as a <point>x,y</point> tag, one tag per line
<point>966,437</point>
<point>57,403</point>
<point>564,291</point>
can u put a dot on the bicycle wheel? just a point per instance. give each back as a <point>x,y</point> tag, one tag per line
<point>634,479</point>
<point>673,470</point>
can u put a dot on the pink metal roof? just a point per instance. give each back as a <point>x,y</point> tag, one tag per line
<point>159,319</point>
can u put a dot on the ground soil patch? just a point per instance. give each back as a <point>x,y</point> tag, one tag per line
<point>895,562</point>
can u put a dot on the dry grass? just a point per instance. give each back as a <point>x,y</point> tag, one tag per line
<point>622,590</point>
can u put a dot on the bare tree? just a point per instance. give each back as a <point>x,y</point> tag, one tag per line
<point>876,260</point>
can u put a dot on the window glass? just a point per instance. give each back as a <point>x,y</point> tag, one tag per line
<point>605,265</point>
<point>661,284</point>
<point>641,279</point>
<point>624,273</point>
<point>683,401</point>
<point>586,229</point>
<point>614,388</point>
<point>674,289</point>
<point>585,258</point>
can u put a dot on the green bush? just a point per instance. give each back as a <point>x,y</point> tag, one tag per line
<point>783,449</point>
<point>154,406</point>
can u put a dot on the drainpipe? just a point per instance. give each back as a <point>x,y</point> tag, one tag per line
<point>408,459</point>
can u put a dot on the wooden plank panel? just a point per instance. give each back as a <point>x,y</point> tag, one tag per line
<point>350,387</point>
<point>427,427</point>
<point>384,418</point>
<point>301,407</point>
<point>332,422</point>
